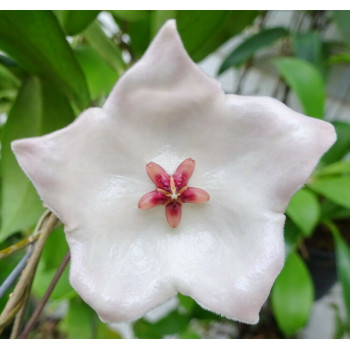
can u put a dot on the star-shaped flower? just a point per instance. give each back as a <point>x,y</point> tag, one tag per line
<point>172,191</point>
<point>251,153</point>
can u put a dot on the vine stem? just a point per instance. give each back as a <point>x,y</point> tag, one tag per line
<point>46,224</point>
<point>45,298</point>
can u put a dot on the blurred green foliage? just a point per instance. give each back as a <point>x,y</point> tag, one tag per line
<point>54,64</point>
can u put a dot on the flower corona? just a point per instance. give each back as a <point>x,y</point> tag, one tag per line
<point>172,191</point>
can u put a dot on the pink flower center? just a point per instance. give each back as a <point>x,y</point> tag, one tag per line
<point>172,191</point>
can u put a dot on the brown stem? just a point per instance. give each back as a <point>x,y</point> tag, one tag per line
<point>17,298</point>
<point>45,298</point>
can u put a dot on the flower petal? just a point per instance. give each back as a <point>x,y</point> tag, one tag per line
<point>184,172</point>
<point>173,212</point>
<point>194,195</point>
<point>158,175</point>
<point>152,199</point>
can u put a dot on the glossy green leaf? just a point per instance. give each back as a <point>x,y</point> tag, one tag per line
<point>131,15</point>
<point>306,82</point>
<point>342,20</point>
<point>39,109</point>
<point>341,147</point>
<point>99,75</point>
<point>292,295</point>
<point>36,40</point>
<point>105,47</point>
<point>204,31</point>
<point>75,21</point>
<point>342,251</point>
<point>336,189</point>
<point>304,210</point>
<point>251,45</point>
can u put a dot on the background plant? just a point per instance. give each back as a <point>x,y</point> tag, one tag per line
<point>54,64</point>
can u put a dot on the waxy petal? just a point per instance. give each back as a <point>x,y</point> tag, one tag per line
<point>252,154</point>
<point>194,195</point>
<point>152,199</point>
<point>173,213</point>
<point>158,175</point>
<point>184,172</point>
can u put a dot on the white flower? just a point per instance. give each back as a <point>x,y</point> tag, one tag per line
<point>251,153</point>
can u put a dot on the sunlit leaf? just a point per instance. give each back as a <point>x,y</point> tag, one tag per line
<point>251,45</point>
<point>99,75</point>
<point>306,82</point>
<point>337,189</point>
<point>105,47</point>
<point>292,295</point>
<point>304,209</point>
<point>36,40</point>
<point>38,110</point>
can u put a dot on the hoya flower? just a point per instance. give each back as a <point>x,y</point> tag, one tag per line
<point>166,140</point>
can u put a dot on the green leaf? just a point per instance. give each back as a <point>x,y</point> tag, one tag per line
<point>7,79</point>
<point>158,18</point>
<point>78,323</point>
<point>39,109</point>
<point>43,278</point>
<point>342,20</point>
<point>308,46</point>
<point>145,330</point>
<point>75,21</point>
<point>99,75</point>
<point>340,58</point>
<point>140,34</point>
<point>342,251</point>
<point>173,323</point>
<point>337,168</point>
<point>131,15</point>
<point>304,210</point>
<point>292,295</point>
<point>307,83</point>
<point>251,45</point>
<point>105,47</point>
<point>341,147</point>
<point>204,31</point>
<point>336,189</point>
<point>333,211</point>
<point>36,40</point>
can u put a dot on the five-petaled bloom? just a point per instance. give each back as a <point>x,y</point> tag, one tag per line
<point>252,154</point>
